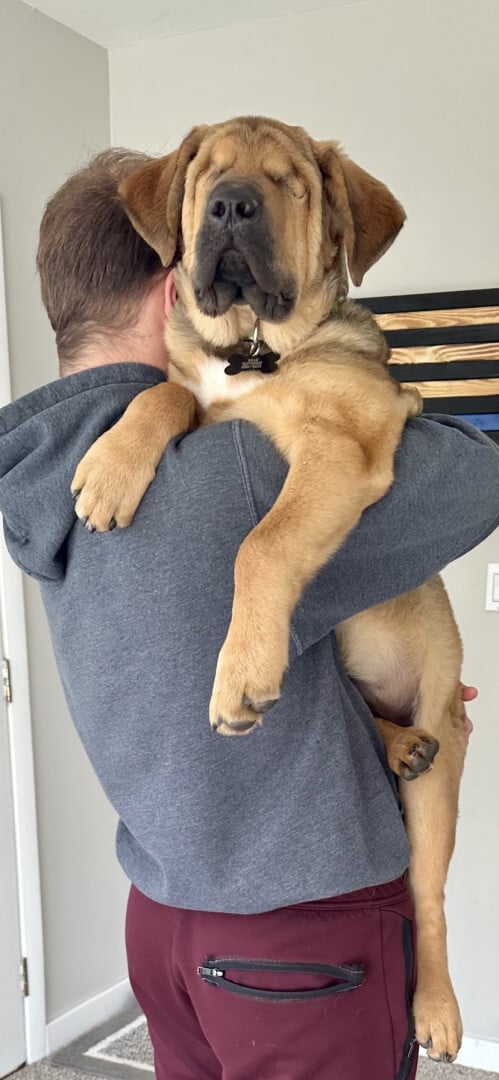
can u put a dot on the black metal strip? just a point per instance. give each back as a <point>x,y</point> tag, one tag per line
<point>455,369</point>
<point>394,305</point>
<point>483,334</point>
<point>462,405</point>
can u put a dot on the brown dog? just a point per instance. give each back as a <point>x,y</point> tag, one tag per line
<point>263,222</point>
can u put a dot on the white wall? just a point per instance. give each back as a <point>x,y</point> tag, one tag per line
<point>54,111</point>
<point>411,88</point>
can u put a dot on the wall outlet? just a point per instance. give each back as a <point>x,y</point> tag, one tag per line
<point>492,590</point>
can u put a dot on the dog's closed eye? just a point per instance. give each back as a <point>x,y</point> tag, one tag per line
<point>288,180</point>
<point>216,173</point>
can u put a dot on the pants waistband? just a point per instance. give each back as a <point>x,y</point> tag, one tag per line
<point>373,896</point>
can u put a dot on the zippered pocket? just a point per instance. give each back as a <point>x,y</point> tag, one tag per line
<point>343,977</point>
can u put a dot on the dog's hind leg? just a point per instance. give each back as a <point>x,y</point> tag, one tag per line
<point>405,657</point>
<point>430,816</point>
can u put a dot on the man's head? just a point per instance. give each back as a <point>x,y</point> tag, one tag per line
<point>103,286</point>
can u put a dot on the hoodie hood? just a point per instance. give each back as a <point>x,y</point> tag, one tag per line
<point>43,436</point>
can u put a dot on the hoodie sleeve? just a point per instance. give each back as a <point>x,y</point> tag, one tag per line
<point>43,436</point>
<point>443,502</point>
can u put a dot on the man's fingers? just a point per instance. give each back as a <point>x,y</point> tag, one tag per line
<point>468,693</point>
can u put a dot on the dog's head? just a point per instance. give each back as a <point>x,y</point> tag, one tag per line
<point>261,215</point>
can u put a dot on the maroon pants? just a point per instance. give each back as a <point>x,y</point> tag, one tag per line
<point>320,991</point>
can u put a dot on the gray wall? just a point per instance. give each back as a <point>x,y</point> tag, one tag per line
<point>411,89</point>
<point>54,111</point>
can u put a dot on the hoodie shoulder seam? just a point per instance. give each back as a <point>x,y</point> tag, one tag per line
<point>67,397</point>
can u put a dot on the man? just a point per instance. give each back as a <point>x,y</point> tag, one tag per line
<point>252,860</point>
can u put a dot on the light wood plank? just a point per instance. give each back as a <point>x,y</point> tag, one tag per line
<point>410,320</point>
<point>442,354</point>
<point>457,388</point>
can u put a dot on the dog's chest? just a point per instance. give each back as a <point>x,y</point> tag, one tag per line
<point>213,385</point>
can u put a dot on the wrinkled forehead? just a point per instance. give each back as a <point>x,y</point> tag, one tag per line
<point>257,148</point>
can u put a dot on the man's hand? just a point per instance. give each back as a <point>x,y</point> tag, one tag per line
<point>468,693</point>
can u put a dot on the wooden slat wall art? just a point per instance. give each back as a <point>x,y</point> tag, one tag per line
<point>446,344</point>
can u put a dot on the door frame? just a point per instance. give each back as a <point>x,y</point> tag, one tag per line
<point>21,757</point>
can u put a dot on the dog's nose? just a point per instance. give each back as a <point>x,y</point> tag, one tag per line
<point>234,202</point>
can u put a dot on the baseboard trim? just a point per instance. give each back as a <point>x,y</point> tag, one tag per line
<point>478,1054</point>
<point>75,1023</point>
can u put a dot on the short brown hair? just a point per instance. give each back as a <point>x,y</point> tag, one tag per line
<point>95,269</point>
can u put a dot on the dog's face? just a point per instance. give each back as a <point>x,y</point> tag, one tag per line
<point>246,220</point>
<point>261,215</point>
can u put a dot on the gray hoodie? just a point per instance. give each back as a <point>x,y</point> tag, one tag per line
<point>305,807</point>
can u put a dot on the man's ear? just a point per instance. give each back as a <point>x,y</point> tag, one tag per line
<point>170,293</point>
<point>153,194</point>
<point>361,209</point>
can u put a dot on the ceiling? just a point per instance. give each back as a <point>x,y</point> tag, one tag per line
<point>112,23</point>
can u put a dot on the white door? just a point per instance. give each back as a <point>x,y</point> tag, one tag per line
<point>12,1039</point>
<point>12,1036</point>
<point>20,915</point>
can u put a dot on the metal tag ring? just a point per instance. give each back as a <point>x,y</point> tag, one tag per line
<point>256,344</point>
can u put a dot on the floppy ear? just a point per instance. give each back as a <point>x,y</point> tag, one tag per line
<point>361,209</point>
<point>153,194</point>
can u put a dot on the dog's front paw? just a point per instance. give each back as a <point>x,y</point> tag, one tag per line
<point>247,684</point>
<point>109,484</point>
<point>438,1022</point>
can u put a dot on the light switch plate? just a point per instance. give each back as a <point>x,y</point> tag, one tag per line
<point>492,590</point>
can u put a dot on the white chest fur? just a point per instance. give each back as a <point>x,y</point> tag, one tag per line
<point>212,384</point>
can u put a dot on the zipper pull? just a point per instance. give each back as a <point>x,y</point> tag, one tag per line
<point>210,973</point>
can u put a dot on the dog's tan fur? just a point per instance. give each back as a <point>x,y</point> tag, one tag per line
<point>336,415</point>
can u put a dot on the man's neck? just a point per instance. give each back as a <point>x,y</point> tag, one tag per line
<point>126,350</point>
<point>141,343</point>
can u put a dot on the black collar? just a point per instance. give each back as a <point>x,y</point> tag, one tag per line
<point>252,354</point>
<point>247,354</point>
